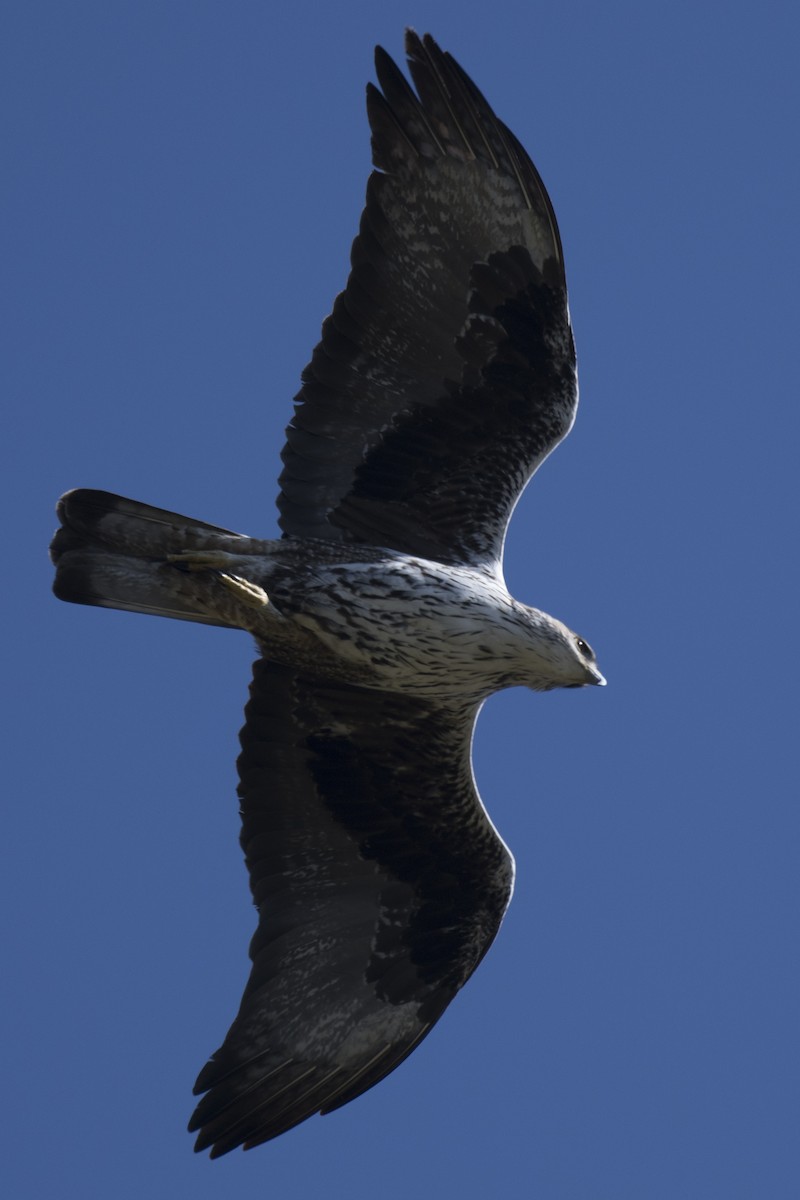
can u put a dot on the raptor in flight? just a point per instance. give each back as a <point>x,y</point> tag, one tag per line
<point>444,376</point>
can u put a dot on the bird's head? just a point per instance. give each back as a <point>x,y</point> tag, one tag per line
<point>560,657</point>
<point>582,656</point>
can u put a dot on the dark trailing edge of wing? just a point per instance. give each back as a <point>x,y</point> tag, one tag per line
<point>446,372</point>
<point>380,883</point>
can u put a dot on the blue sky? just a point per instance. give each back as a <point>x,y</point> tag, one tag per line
<point>182,183</point>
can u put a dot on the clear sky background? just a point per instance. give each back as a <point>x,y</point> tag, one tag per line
<point>183,182</point>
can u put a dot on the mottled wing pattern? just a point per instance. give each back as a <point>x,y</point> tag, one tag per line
<point>380,884</point>
<point>446,372</point>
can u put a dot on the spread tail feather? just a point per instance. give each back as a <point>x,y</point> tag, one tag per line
<point>112,552</point>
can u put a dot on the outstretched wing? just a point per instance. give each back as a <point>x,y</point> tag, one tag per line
<point>380,884</point>
<point>446,372</point>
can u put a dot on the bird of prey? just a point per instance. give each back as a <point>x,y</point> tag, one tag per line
<point>444,376</point>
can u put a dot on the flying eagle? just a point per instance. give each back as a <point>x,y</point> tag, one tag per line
<point>444,376</point>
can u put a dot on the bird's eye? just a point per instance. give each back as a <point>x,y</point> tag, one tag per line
<point>585,649</point>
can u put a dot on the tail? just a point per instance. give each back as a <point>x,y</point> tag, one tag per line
<point>112,552</point>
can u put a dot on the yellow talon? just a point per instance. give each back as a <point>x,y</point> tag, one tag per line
<point>217,560</point>
<point>249,593</point>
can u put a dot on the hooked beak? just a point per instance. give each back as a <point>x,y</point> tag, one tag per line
<point>594,679</point>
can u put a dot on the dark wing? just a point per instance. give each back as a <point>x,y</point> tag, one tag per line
<point>380,884</point>
<point>446,372</point>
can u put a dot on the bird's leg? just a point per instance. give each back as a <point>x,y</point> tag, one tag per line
<point>203,560</point>
<point>220,561</point>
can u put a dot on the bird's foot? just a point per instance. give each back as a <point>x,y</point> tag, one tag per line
<point>249,593</point>
<point>219,560</point>
<point>203,560</point>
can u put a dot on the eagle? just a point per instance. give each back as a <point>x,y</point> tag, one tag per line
<point>444,376</point>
